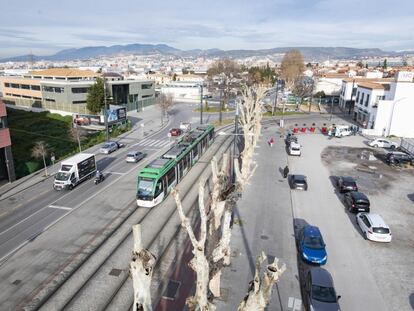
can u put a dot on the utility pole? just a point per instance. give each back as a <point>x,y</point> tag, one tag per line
<point>275,102</point>
<point>236,131</point>
<point>201,103</point>
<point>106,112</point>
<point>221,106</point>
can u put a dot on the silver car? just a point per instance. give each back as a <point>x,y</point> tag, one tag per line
<point>134,156</point>
<point>108,147</point>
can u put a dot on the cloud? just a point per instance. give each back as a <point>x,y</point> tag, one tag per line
<point>189,24</point>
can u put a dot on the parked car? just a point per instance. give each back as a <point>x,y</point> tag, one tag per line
<point>373,227</point>
<point>383,143</point>
<point>134,156</point>
<point>108,147</point>
<point>399,158</point>
<point>298,182</point>
<point>294,149</point>
<point>356,202</point>
<point>319,291</point>
<point>176,132</point>
<point>311,245</point>
<point>346,184</point>
<point>342,130</point>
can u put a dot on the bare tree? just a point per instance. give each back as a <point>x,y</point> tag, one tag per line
<point>304,87</point>
<point>39,151</point>
<point>141,269</point>
<point>292,67</point>
<point>165,102</point>
<point>260,289</point>
<point>77,135</point>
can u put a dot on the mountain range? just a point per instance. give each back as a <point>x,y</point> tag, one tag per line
<point>310,53</point>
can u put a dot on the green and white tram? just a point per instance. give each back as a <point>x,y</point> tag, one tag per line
<point>157,179</point>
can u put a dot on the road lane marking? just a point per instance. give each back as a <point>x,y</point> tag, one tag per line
<point>294,304</point>
<point>61,207</point>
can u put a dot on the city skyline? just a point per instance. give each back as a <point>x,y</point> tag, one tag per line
<point>43,29</point>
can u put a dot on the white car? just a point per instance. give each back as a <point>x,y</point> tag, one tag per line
<point>294,149</point>
<point>373,227</point>
<point>383,143</point>
<point>342,130</point>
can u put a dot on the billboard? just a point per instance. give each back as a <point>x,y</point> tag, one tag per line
<point>116,114</point>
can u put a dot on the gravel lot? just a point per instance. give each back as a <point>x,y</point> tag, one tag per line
<point>368,275</point>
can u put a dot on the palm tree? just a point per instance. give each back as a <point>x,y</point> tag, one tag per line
<point>40,150</point>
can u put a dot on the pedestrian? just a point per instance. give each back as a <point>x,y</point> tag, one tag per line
<point>271,141</point>
<point>285,171</point>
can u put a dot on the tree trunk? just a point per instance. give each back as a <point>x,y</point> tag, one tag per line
<point>44,164</point>
<point>141,269</point>
<point>260,289</point>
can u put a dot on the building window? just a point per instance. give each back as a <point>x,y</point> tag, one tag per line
<point>25,86</point>
<point>75,102</point>
<point>15,86</point>
<point>146,86</point>
<point>35,87</point>
<point>357,97</point>
<point>50,100</point>
<point>146,96</point>
<point>6,84</point>
<point>367,101</point>
<point>80,90</point>
<point>53,89</point>
<point>361,102</point>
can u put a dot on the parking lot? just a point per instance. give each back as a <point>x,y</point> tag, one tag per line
<point>368,275</point>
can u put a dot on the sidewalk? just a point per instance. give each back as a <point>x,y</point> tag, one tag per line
<point>263,221</point>
<point>149,118</point>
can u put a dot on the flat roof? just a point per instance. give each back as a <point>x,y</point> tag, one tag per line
<point>78,158</point>
<point>64,72</point>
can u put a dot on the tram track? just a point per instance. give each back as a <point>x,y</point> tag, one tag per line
<point>65,295</point>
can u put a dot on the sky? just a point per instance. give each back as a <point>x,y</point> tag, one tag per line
<point>43,27</point>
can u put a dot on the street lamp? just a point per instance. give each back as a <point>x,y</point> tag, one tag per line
<point>392,113</point>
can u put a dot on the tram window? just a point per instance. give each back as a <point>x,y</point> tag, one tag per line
<point>171,176</point>
<point>195,151</point>
<point>158,188</point>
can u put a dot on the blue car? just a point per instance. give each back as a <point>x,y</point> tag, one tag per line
<point>311,245</point>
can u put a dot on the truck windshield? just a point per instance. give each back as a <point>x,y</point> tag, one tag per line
<point>62,176</point>
<point>145,188</point>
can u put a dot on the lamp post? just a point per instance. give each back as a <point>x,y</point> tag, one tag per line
<point>392,114</point>
<point>106,112</point>
<point>201,103</point>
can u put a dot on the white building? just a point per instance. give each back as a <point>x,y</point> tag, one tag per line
<point>183,91</point>
<point>330,84</point>
<point>386,108</point>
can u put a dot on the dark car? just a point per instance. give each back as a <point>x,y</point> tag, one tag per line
<point>311,245</point>
<point>356,202</point>
<point>398,158</point>
<point>289,138</point>
<point>346,184</point>
<point>176,132</point>
<point>319,291</point>
<point>298,182</point>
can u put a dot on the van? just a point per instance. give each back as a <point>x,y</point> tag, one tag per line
<point>343,130</point>
<point>294,148</point>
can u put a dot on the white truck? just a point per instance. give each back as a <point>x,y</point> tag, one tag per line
<point>343,130</point>
<point>185,126</point>
<point>75,170</point>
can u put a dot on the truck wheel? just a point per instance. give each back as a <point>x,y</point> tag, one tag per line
<point>392,147</point>
<point>70,187</point>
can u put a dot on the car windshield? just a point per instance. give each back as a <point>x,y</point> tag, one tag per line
<point>106,146</point>
<point>314,242</point>
<point>145,187</point>
<point>62,176</point>
<point>381,230</point>
<point>295,148</point>
<point>132,154</point>
<point>324,294</point>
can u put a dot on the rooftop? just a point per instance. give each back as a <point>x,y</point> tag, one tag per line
<point>372,85</point>
<point>64,72</point>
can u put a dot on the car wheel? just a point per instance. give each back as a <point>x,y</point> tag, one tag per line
<point>375,146</point>
<point>70,187</point>
<point>365,236</point>
<point>392,147</point>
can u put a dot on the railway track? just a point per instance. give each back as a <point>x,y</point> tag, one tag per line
<point>83,286</point>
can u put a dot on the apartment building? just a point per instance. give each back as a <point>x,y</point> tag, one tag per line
<point>183,91</point>
<point>385,108</point>
<point>64,90</point>
<point>6,157</point>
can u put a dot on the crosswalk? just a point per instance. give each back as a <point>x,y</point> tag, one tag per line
<point>148,142</point>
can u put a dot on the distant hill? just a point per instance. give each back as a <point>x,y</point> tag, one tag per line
<point>310,53</point>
